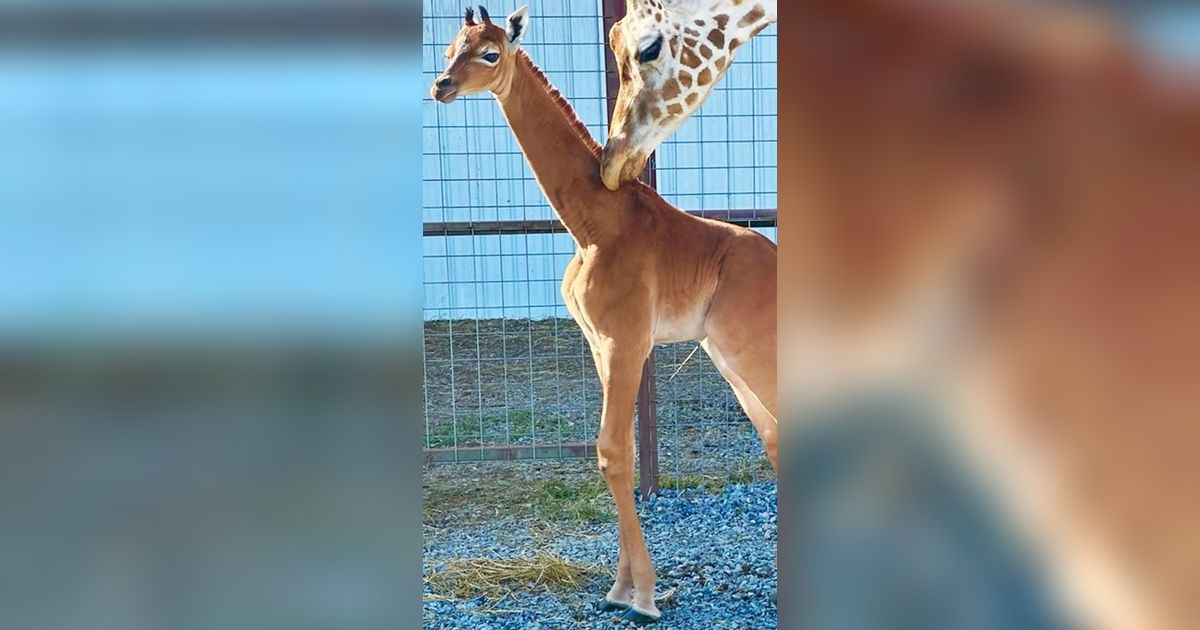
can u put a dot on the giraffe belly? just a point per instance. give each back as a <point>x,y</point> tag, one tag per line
<point>685,325</point>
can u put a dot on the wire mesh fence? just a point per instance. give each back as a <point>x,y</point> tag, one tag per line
<point>508,374</point>
<point>721,161</point>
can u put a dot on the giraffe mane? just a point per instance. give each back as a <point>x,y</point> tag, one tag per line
<point>564,106</point>
<point>581,130</point>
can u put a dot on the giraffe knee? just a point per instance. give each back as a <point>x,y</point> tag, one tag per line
<point>611,454</point>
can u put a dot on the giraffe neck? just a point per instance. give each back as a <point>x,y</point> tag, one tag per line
<point>703,38</point>
<point>743,18</point>
<point>560,151</point>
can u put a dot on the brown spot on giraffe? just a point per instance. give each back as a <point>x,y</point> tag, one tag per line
<point>691,98</point>
<point>689,58</point>
<point>674,109</point>
<point>626,67</point>
<point>685,78</point>
<point>752,16</point>
<point>699,22</point>
<point>675,46</point>
<point>721,62</point>
<point>705,51</point>
<point>734,43</point>
<point>643,112</point>
<point>717,37</point>
<point>670,90</point>
<point>758,28</point>
<point>704,78</point>
<point>721,20</point>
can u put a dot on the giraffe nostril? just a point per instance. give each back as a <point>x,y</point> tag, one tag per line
<point>445,82</point>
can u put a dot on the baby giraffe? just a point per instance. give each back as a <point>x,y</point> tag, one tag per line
<point>644,272</point>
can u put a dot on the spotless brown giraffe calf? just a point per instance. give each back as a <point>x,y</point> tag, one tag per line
<point>644,272</point>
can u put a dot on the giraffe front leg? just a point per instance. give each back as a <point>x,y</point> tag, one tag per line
<point>620,596</point>
<point>620,368</point>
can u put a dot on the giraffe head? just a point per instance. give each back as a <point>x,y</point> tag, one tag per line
<point>669,54</point>
<point>481,55</point>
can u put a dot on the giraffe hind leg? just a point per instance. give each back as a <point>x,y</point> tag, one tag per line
<point>762,417</point>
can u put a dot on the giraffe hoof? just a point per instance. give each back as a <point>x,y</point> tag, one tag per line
<point>640,617</point>
<point>607,605</point>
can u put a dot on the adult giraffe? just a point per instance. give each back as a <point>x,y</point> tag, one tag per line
<point>644,272</point>
<point>670,54</point>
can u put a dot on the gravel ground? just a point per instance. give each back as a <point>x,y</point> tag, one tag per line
<point>494,382</point>
<point>715,549</point>
<point>892,533</point>
<point>522,382</point>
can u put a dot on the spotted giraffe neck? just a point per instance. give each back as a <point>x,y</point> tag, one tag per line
<point>740,20</point>
<point>740,8</point>
<point>705,38</point>
<point>743,18</point>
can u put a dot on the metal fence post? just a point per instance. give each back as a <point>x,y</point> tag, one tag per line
<point>647,430</point>
<point>647,434</point>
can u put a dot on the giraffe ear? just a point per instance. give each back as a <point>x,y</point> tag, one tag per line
<point>518,22</point>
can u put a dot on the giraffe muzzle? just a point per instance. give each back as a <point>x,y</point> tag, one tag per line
<point>610,167</point>
<point>618,166</point>
<point>444,90</point>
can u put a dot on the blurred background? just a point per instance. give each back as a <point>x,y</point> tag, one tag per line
<point>209,313</point>
<point>988,229</point>
<point>210,302</point>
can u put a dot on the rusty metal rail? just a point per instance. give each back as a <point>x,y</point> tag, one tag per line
<point>745,218</point>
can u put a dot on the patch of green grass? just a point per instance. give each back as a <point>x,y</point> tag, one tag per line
<point>759,470</point>
<point>685,482</point>
<point>512,427</point>
<point>741,476</point>
<point>498,428</point>
<point>440,434</point>
<point>567,491</point>
<point>588,501</point>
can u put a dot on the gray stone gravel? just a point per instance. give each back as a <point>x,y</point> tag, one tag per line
<point>717,551</point>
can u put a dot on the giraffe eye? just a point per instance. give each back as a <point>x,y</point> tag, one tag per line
<point>651,51</point>
<point>491,57</point>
